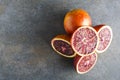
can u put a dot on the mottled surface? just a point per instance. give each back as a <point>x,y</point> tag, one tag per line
<point>27,26</point>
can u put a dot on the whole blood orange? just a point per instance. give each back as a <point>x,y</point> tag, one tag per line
<point>61,44</point>
<point>105,37</point>
<point>84,40</point>
<point>76,18</point>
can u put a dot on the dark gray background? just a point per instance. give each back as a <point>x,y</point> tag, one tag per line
<point>27,27</point>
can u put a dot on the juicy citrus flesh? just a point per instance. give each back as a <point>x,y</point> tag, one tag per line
<point>63,47</point>
<point>86,63</point>
<point>76,18</point>
<point>105,37</point>
<point>84,40</point>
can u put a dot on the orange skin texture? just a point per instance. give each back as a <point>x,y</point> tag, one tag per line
<point>76,18</point>
<point>97,27</point>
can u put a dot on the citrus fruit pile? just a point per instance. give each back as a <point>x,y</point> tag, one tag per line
<point>83,42</point>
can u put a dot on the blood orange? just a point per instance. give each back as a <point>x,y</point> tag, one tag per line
<point>105,37</point>
<point>61,44</point>
<point>83,64</point>
<point>76,18</point>
<point>84,40</point>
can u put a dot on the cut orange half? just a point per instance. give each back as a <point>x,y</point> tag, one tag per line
<point>84,40</point>
<point>61,44</point>
<point>84,64</point>
<point>105,37</point>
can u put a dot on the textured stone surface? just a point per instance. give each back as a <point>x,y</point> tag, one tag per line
<point>27,26</point>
